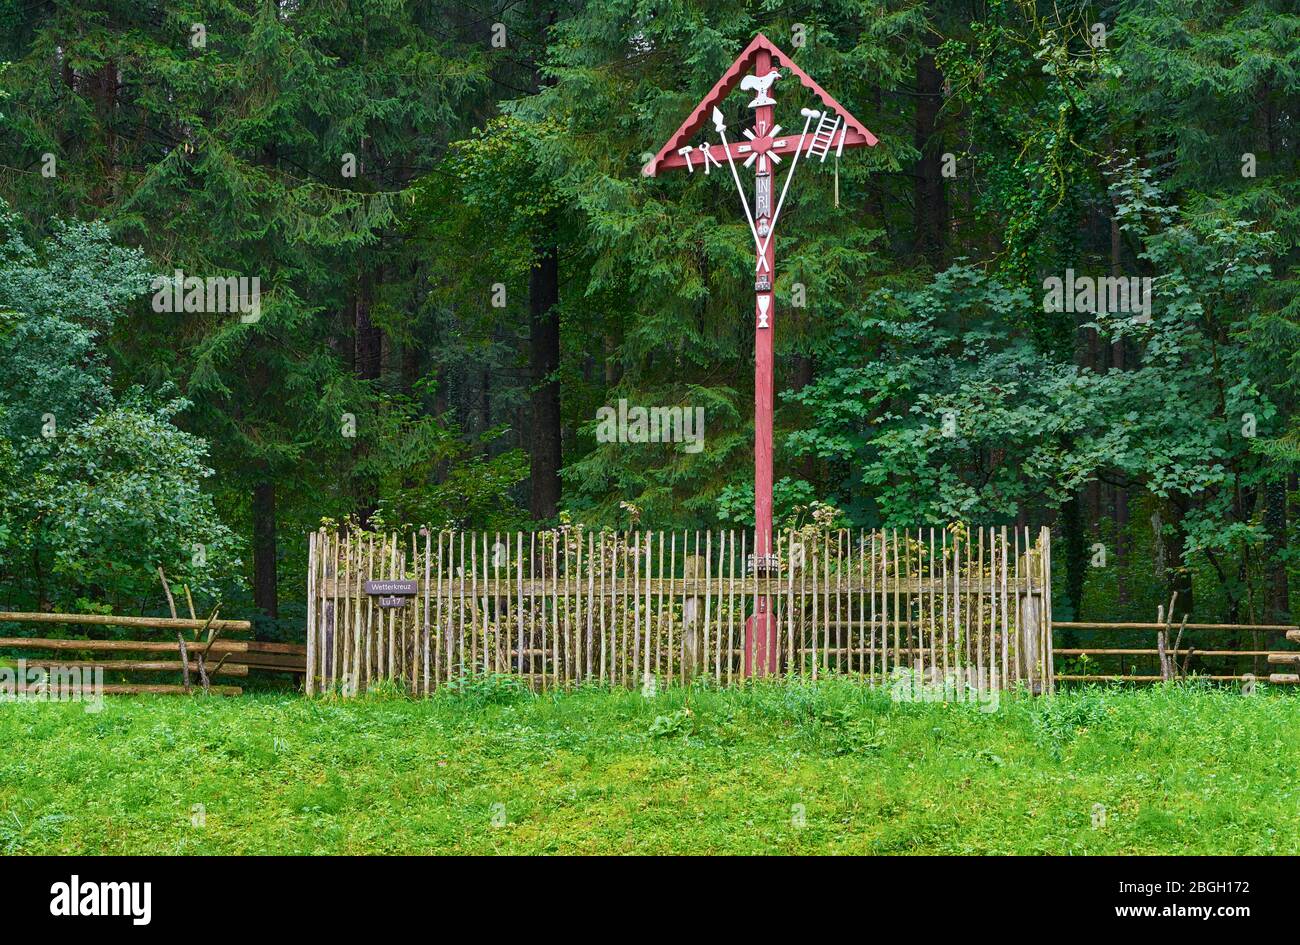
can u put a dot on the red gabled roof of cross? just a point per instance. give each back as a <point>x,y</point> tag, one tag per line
<point>857,133</point>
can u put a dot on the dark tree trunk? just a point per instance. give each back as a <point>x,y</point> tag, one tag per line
<point>931,207</point>
<point>265,589</point>
<point>612,372</point>
<point>1121,544</point>
<point>1178,571</point>
<point>410,367</point>
<point>410,374</point>
<point>545,434</point>
<point>102,87</point>
<point>438,364</point>
<point>544,357</point>
<point>876,184</point>
<point>803,376</point>
<point>1277,600</point>
<point>1075,534</point>
<point>1118,362</point>
<point>369,340</point>
<point>1091,354</point>
<point>367,363</point>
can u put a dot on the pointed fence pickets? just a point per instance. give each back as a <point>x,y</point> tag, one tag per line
<point>569,606</point>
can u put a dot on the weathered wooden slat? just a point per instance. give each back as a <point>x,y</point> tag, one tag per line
<point>1093,625</point>
<point>255,657</point>
<point>134,646</point>
<point>313,592</point>
<point>141,666</point>
<point>771,584</point>
<point>338,657</point>
<point>1045,556</point>
<point>259,646</point>
<point>943,616</point>
<point>132,689</point>
<point>112,620</point>
<point>672,570</point>
<point>731,603</point>
<point>1144,679</point>
<point>298,669</point>
<point>1152,651</point>
<point>632,569</point>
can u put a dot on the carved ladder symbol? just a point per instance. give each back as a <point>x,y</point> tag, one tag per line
<point>824,136</point>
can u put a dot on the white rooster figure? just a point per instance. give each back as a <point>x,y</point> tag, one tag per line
<point>760,84</point>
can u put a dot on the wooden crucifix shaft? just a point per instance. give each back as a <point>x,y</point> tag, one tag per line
<point>760,628</point>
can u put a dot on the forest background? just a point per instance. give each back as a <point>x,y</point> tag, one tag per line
<point>460,263</point>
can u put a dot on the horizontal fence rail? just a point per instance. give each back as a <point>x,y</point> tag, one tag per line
<point>1103,660</point>
<point>113,620</point>
<point>568,606</point>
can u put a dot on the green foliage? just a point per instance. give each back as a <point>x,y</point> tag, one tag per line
<point>485,689</point>
<point>676,723</point>
<point>278,150</point>
<point>122,496</point>
<point>923,292</point>
<point>1057,722</point>
<point>99,488</point>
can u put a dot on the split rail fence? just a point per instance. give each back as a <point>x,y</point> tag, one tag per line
<point>569,606</point>
<point>1103,659</point>
<point>221,657</point>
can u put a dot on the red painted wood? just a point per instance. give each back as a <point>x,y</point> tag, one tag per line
<point>730,79</point>
<point>673,161</point>
<point>761,653</point>
<point>757,652</point>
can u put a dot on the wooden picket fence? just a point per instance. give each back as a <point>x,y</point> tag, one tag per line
<point>568,606</point>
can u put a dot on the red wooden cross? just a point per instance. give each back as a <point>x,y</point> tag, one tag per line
<point>764,149</point>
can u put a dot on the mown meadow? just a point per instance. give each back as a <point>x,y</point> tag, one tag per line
<point>827,767</point>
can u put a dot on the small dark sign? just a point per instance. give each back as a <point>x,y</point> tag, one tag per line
<point>390,588</point>
<point>393,601</point>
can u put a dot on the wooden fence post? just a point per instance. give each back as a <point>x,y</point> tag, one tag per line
<point>309,682</point>
<point>1036,659</point>
<point>1030,657</point>
<point>326,643</point>
<point>1029,634</point>
<point>692,568</point>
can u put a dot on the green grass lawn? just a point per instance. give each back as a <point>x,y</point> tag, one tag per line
<point>794,768</point>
